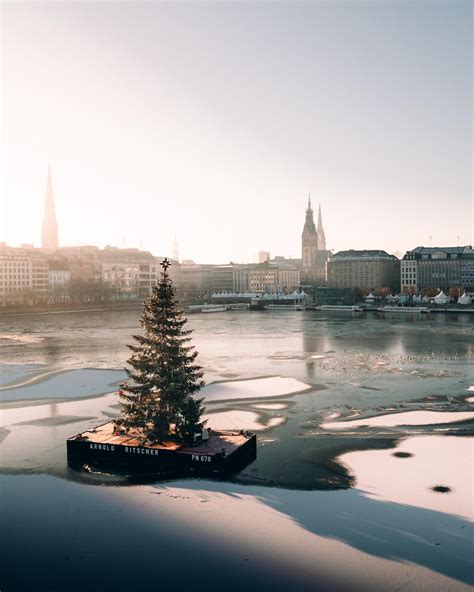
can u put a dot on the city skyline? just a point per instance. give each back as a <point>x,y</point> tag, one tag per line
<point>49,219</point>
<point>173,129</point>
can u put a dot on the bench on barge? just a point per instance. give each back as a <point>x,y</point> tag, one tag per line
<point>219,452</point>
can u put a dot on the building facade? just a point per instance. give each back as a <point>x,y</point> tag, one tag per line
<point>130,273</point>
<point>268,277</point>
<point>23,276</point>
<point>84,263</point>
<point>364,270</point>
<point>443,268</point>
<point>222,278</point>
<point>192,278</point>
<point>334,296</point>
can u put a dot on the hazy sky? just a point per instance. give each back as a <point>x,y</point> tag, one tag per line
<point>212,120</point>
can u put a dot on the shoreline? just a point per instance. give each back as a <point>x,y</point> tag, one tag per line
<point>138,305</point>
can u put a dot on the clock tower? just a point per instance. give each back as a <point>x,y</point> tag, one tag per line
<point>309,243</point>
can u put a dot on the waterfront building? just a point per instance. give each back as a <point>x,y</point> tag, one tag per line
<point>321,267</point>
<point>23,276</point>
<point>268,277</point>
<point>363,270</point>
<point>192,278</point>
<point>222,278</point>
<point>84,263</point>
<point>130,273</point>
<point>334,296</point>
<point>446,268</point>
<point>59,277</point>
<point>40,275</point>
<point>15,275</point>
<point>49,231</point>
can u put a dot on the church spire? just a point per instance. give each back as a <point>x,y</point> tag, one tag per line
<point>175,249</point>
<point>321,233</point>
<point>49,234</point>
<point>309,227</point>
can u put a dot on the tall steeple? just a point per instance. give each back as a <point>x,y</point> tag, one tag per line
<point>321,234</point>
<point>309,241</point>
<point>309,227</point>
<point>49,233</point>
<point>175,256</point>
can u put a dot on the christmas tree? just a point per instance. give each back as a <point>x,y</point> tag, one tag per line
<point>158,401</point>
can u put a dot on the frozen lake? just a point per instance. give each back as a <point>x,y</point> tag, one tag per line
<point>331,399</point>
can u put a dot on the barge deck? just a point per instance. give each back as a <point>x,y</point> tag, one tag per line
<point>223,451</point>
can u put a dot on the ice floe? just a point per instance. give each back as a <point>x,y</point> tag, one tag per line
<point>401,419</point>
<point>256,388</point>
<point>83,382</point>
<point>7,337</point>
<point>12,373</point>
<point>270,406</point>
<point>240,420</point>
<point>431,461</point>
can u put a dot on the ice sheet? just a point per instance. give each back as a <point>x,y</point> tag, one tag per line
<point>399,419</point>
<point>270,406</point>
<point>14,372</point>
<point>240,420</point>
<point>84,382</point>
<point>436,460</point>
<point>257,388</point>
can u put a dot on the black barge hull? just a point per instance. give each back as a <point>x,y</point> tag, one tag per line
<point>83,453</point>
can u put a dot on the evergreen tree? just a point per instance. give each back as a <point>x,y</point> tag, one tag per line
<point>159,399</point>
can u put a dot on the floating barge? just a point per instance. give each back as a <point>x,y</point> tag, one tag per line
<point>221,452</point>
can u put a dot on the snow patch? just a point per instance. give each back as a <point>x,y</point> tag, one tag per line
<point>240,420</point>
<point>433,460</point>
<point>400,419</point>
<point>257,388</point>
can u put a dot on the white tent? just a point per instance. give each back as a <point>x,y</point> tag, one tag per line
<point>441,298</point>
<point>464,299</point>
<point>370,298</point>
<point>417,298</point>
<point>426,298</point>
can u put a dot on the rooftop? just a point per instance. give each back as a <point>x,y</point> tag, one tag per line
<point>366,254</point>
<point>465,250</point>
